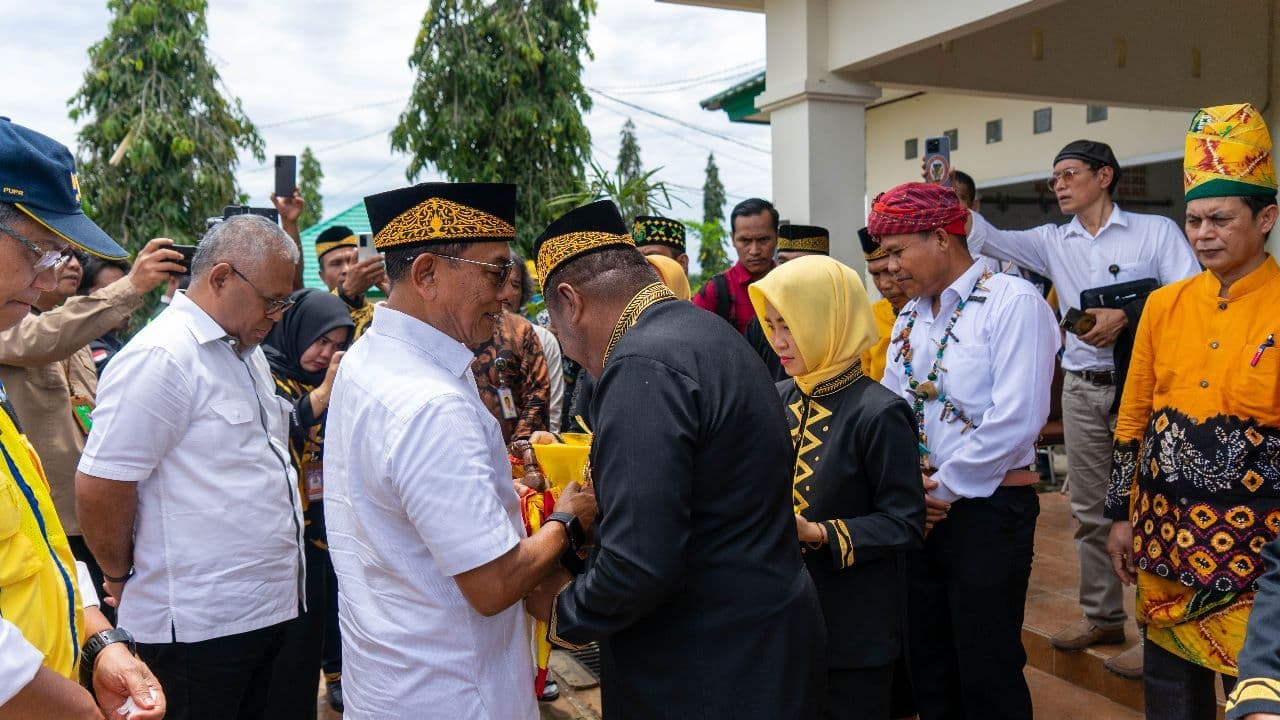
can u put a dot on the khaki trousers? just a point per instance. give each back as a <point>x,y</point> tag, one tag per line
<point>1089,429</point>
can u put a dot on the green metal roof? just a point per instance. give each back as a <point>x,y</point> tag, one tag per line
<point>353,217</point>
<point>739,101</point>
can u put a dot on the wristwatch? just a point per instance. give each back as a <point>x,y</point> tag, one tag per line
<point>95,645</point>
<point>572,526</point>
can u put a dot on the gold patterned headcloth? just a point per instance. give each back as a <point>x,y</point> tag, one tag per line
<point>442,213</point>
<point>580,231</point>
<point>1228,153</point>
<point>804,238</point>
<point>334,237</point>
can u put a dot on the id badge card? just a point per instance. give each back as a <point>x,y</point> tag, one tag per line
<point>313,480</point>
<point>82,408</point>
<point>508,403</point>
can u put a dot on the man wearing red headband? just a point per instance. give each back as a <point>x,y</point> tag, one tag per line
<point>973,355</point>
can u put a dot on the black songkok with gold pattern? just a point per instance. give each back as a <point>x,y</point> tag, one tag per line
<point>655,230</point>
<point>804,238</point>
<point>583,230</point>
<point>434,213</point>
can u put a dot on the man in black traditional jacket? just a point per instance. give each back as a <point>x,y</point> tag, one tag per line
<point>696,589</point>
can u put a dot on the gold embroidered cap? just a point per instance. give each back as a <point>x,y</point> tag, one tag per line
<point>655,230</point>
<point>580,231</point>
<point>871,249</point>
<point>804,238</point>
<point>430,213</point>
<point>334,237</point>
<point>1228,153</point>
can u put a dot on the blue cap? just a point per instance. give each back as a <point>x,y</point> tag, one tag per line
<point>38,176</point>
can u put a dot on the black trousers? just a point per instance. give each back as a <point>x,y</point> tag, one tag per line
<point>968,588</point>
<point>1177,689</point>
<point>295,682</point>
<point>859,693</point>
<point>80,550</point>
<point>225,678</point>
<point>331,657</point>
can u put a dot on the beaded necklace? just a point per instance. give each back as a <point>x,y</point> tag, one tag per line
<point>923,392</point>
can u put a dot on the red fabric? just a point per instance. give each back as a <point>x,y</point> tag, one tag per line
<point>740,300</point>
<point>916,207</point>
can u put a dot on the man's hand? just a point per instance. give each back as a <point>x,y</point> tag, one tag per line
<point>364,275</point>
<point>290,208</point>
<point>113,592</point>
<point>935,510</point>
<point>119,676</point>
<point>807,531</point>
<point>156,264</point>
<point>539,602</point>
<point>1120,549</point>
<point>1108,327</point>
<point>581,502</point>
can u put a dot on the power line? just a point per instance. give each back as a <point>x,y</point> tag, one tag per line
<point>733,79</point>
<point>756,66</point>
<point>680,122</point>
<point>321,116</point>
<point>718,152</point>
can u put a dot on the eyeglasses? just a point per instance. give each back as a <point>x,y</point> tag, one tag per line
<point>1068,174</point>
<point>45,259</point>
<point>503,270</point>
<point>271,305</point>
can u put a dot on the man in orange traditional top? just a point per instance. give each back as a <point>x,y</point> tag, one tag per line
<point>1195,480</point>
<point>885,309</point>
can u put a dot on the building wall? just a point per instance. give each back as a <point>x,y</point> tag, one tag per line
<point>1136,136</point>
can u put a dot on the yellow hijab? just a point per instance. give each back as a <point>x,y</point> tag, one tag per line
<point>672,275</point>
<point>827,309</point>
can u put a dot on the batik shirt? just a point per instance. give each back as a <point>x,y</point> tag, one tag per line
<point>513,359</point>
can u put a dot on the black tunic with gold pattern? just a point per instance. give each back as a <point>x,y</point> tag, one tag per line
<point>857,471</point>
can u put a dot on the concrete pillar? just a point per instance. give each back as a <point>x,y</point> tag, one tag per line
<point>818,127</point>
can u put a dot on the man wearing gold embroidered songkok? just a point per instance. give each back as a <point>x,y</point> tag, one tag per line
<point>885,309</point>
<point>856,481</point>
<point>695,590</point>
<point>424,527</point>
<point>794,241</point>
<point>1195,479</point>
<point>973,354</point>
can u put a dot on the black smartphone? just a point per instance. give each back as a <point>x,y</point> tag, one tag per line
<point>1077,322</point>
<point>286,175</point>
<point>188,254</point>
<point>233,210</point>
<point>937,160</point>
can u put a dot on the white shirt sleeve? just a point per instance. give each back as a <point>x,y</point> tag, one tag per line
<point>1175,259</point>
<point>1025,248</point>
<point>1024,349</point>
<point>443,470</point>
<point>88,593</point>
<point>555,372</point>
<point>143,406</point>
<point>19,661</point>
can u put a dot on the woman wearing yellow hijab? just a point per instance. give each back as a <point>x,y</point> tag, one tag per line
<point>857,490</point>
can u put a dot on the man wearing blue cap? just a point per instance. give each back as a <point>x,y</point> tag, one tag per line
<point>48,629</point>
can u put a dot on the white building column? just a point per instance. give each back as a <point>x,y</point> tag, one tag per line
<point>818,124</point>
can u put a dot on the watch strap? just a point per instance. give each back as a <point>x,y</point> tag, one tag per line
<point>577,538</point>
<point>95,645</point>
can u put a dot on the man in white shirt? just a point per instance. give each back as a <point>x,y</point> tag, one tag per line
<point>1102,245</point>
<point>185,490</point>
<point>973,354</point>
<point>423,523</point>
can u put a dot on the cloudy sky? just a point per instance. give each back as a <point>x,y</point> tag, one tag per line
<point>333,75</point>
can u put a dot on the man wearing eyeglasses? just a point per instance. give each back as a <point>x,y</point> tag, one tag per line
<point>51,631</point>
<point>185,491</point>
<point>1102,246</point>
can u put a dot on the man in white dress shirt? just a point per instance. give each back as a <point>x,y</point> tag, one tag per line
<point>973,354</point>
<point>185,491</point>
<point>424,525</point>
<point>1102,245</point>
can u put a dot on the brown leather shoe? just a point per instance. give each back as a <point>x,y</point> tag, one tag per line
<point>1081,635</point>
<point>1127,664</point>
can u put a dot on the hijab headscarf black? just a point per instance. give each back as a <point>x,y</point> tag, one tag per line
<point>314,313</point>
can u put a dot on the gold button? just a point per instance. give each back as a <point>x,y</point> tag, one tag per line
<point>1204,383</point>
<point>1214,344</point>
<point>1222,306</point>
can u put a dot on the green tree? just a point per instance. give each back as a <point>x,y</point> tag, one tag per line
<point>711,251</point>
<point>499,98</point>
<point>640,192</point>
<point>629,169</point>
<point>309,177</point>
<point>159,142</point>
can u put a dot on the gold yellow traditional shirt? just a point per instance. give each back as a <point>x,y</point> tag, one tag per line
<point>38,592</point>
<point>873,359</point>
<point>1197,459</point>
